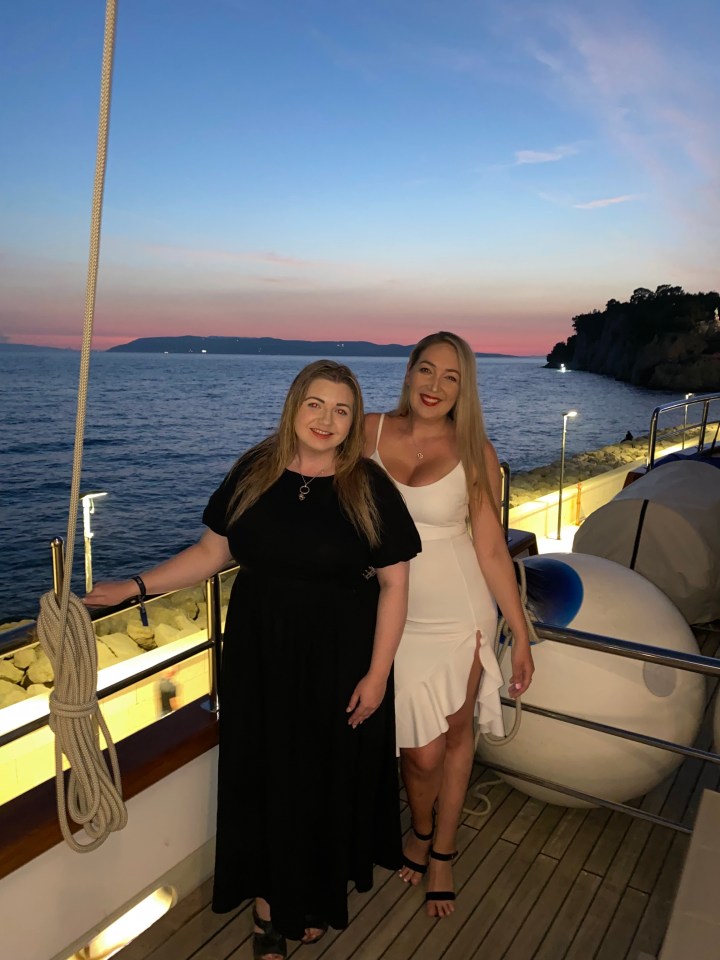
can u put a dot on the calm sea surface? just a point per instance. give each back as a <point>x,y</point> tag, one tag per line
<point>163,429</point>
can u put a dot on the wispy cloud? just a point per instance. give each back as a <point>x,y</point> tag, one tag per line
<point>650,96</point>
<point>251,256</point>
<point>545,156</point>
<point>606,202</point>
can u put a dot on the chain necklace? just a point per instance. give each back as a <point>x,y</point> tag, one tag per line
<point>418,454</point>
<point>304,489</point>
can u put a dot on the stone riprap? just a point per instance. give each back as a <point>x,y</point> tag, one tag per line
<point>27,672</point>
<point>531,484</point>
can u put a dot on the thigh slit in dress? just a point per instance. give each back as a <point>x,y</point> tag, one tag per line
<point>449,603</point>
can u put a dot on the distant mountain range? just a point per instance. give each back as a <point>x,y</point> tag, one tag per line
<point>269,346</point>
<point>28,348</point>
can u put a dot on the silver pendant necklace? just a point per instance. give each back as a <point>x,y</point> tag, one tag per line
<point>305,485</point>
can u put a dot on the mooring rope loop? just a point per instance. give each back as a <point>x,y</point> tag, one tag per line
<point>94,798</point>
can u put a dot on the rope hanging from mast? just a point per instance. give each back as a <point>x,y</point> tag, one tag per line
<point>64,626</point>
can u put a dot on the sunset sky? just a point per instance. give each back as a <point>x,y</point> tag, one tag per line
<point>357,169</point>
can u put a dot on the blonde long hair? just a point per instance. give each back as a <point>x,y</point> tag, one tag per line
<point>268,460</point>
<point>466,414</point>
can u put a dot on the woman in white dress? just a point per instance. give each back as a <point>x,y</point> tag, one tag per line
<point>435,449</point>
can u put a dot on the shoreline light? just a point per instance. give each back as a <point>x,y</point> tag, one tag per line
<point>570,413</point>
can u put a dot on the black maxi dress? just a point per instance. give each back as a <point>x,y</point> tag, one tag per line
<point>306,804</point>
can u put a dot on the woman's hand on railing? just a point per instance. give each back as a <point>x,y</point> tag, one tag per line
<point>111,593</point>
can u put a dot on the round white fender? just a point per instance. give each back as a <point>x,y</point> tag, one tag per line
<point>599,596</point>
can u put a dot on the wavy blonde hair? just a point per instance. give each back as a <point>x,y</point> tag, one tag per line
<point>269,459</point>
<point>467,414</point>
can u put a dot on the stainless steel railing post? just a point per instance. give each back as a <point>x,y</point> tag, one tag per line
<point>703,425</point>
<point>505,502</point>
<point>57,552</point>
<point>652,439</point>
<point>214,628</point>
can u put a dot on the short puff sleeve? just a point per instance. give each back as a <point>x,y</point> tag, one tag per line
<point>399,539</point>
<point>215,514</point>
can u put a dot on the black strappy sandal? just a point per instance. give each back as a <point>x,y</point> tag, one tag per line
<point>315,923</point>
<point>268,943</point>
<point>433,895</point>
<point>420,868</point>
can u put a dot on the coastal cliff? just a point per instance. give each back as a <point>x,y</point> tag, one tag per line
<point>666,340</point>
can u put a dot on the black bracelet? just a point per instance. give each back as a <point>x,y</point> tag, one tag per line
<point>143,592</point>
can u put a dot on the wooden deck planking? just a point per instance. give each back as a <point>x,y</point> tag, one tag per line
<point>608,844</point>
<point>200,932</point>
<point>515,901</point>
<point>651,930</point>
<point>565,832</point>
<point>616,942</point>
<point>569,917</point>
<point>534,881</point>
<point>539,921</point>
<point>524,821</point>
<point>475,862</point>
<point>486,910</point>
<point>514,914</point>
<point>609,894</point>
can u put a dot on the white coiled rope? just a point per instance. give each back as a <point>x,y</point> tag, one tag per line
<point>94,798</point>
<point>65,631</point>
<point>503,642</point>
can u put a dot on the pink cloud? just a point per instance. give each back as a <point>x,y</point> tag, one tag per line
<point>607,202</point>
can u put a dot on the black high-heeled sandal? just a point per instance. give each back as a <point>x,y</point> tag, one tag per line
<point>420,868</point>
<point>433,895</point>
<point>268,943</point>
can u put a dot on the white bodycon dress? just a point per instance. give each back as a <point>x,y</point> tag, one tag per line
<point>448,603</point>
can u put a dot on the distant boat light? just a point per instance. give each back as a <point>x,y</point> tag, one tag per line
<point>203,351</point>
<point>562,368</point>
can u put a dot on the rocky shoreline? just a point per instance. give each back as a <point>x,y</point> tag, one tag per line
<point>531,484</point>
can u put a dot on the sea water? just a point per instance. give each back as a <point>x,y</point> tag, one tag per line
<point>163,429</point>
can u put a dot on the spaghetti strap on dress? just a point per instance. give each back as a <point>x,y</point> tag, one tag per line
<point>449,602</point>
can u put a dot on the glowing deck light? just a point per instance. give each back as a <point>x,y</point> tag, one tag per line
<point>129,926</point>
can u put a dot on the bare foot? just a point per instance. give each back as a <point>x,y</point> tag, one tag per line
<point>315,930</point>
<point>440,879</point>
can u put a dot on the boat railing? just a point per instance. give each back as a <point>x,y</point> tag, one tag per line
<point>660,656</point>
<point>707,666</point>
<point>705,401</point>
<point>23,636</point>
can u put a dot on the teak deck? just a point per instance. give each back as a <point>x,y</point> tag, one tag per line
<point>534,882</point>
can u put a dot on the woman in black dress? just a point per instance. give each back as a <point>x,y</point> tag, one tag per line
<point>307,782</point>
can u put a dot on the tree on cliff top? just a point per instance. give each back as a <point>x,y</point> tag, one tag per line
<point>645,315</point>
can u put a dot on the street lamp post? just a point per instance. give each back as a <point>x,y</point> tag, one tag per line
<point>570,413</point>
<point>88,508</point>
<point>687,397</point>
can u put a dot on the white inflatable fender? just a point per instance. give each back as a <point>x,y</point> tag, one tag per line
<point>599,596</point>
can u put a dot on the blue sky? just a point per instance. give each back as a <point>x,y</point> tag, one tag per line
<point>374,170</point>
